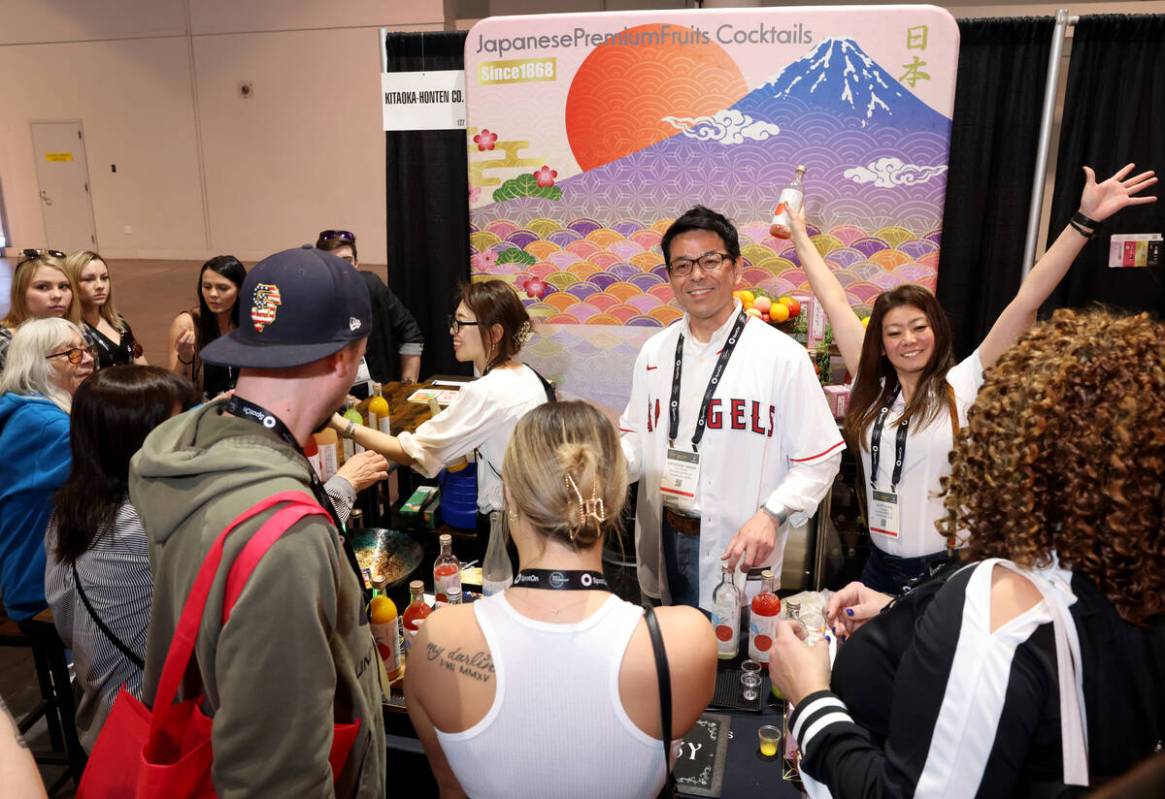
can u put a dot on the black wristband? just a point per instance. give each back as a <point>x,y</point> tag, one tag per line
<point>1080,219</point>
<point>1079,229</point>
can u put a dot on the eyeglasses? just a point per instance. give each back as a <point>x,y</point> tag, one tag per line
<point>341,235</point>
<point>710,262</point>
<point>456,324</point>
<point>75,354</point>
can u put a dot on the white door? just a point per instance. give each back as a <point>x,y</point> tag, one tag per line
<point>63,175</point>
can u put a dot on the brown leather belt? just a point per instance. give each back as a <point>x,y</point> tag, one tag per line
<point>684,525</point>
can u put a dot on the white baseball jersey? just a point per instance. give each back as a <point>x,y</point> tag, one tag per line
<point>769,437</point>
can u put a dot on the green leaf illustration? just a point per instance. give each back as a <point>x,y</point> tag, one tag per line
<point>525,186</point>
<point>516,256</point>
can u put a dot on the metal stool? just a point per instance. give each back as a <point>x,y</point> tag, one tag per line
<point>56,706</point>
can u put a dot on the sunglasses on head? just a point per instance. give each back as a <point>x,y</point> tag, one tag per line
<point>337,235</point>
<point>29,254</point>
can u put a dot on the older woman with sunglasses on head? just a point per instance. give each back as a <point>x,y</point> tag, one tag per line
<point>41,288</point>
<point>106,329</point>
<point>395,331</point>
<point>47,360</point>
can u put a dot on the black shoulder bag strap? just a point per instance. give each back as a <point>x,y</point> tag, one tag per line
<point>113,639</point>
<point>547,386</point>
<point>663,673</point>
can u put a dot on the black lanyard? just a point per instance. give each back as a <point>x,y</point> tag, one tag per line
<point>899,445</point>
<point>245,409</point>
<point>717,371</point>
<point>561,580</point>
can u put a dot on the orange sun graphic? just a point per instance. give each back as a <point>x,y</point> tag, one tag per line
<point>624,89</point>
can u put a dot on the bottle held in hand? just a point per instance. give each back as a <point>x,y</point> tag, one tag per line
<point>792,196</point>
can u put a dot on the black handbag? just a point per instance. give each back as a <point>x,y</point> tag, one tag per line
<point>664,676</point>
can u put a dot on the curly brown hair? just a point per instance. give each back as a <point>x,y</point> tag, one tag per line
<point>1064,451</point>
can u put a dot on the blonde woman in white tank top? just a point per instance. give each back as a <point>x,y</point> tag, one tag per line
<point>553,693</point>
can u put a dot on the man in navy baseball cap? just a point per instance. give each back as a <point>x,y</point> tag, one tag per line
<point>303,325</point>
<point>295,307</point>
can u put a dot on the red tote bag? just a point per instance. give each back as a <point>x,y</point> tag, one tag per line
<point>165,753</point>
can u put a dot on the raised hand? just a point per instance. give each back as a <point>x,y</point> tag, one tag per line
<point>1099,201</point>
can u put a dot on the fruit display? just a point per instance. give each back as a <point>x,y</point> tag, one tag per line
<point>773,311</point>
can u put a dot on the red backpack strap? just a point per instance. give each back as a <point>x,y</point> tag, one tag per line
<point>186,632</point>
<point>257,547</point>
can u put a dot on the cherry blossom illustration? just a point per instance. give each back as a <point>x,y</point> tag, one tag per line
<point>485,140</point>
<point>545,176</point>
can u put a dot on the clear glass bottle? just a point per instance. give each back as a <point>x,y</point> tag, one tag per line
<point>762,626</point>
<point>447,573</point>
<point>726,615</point>
<point>497,574</point>
<point>792,196</point>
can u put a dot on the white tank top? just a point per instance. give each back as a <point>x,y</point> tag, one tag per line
<point>557,727</point>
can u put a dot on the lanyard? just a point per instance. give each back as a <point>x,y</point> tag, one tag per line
<point>245,409</point>
<point>561,580</point>
<point>717,371</point>
<point>899,445</point>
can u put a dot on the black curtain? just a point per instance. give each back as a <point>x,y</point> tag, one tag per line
<point>427,187</point>
<point>1114,113</point>
<point>1003,64</point>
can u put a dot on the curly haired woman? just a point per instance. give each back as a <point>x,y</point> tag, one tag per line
<point>1039,668</point>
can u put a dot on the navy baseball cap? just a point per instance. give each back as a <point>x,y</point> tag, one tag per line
<point>295,307</point>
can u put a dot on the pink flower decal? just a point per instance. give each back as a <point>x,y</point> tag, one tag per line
<point>474,193</point>
<point>545,176</point>
<point>484,261</point>
<point>485,140</point>
<point>535,288</point>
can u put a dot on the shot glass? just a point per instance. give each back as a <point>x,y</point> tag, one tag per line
<point>770,737</point>
<point>814,621</point>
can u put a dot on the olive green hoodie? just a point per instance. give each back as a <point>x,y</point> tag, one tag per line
<point>296,654</point>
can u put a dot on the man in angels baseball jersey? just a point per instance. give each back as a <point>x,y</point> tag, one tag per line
<point>727,429</point>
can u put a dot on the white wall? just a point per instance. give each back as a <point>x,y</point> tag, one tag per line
<point>201,171</point>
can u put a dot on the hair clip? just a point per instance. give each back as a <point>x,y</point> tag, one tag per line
<point>587,508</point>
<point>523,334</point>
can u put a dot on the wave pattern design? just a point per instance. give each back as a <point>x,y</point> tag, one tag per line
<point>613,275</point>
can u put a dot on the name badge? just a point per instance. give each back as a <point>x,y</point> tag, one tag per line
<point>884,514</point>
<point>681,477</point>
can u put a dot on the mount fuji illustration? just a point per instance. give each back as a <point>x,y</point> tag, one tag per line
<point>838,77</point>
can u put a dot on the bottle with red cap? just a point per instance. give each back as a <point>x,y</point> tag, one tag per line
<point>762,627</point>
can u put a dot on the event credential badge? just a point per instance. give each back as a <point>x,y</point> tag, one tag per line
<point>681,476</point>
<point>884,513</point>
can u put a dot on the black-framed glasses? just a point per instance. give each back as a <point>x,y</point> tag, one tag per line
<point>710,262</point>
<point>456,324</point>
<point>74,354</point>
<point>338,235</point>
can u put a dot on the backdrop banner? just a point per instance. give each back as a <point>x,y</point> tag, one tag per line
<point>588,134</point>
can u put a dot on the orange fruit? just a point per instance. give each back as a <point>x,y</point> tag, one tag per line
<point>381,610</point>
<point>779,312</point>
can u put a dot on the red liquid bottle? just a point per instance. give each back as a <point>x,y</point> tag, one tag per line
<point>416,613</point>
<point>447,574</point>
<point>762,627</point>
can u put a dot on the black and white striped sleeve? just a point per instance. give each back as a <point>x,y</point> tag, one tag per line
<point>967,705</point>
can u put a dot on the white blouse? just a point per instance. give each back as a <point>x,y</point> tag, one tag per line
<point>481,417</point>
<point>926,463</point>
